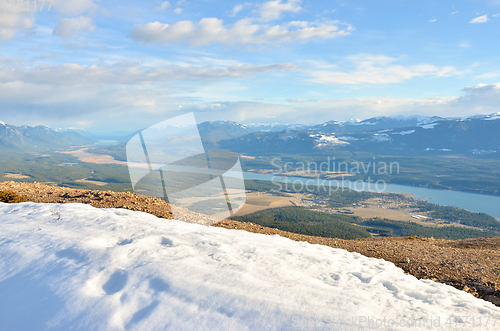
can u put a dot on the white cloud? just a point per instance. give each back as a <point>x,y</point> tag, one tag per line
<point>455,12</point>
<point>95,93</point>
<point>378,69</point>
<point>67,27</point>
<point>72,91</point>
<point>496,15</point>
<point>480,19</point>
<point>236,10</point>
<point>49,56</point>
<point>163,6</point>
<point>178,10</point>
<point>15,19</point>
<point>488,75</point>
<point>74,7</point>
<point>122,73</point>
<point>434,20</point>
<point>272,10</point>
<point>482,99</point>
<point>210,31</point>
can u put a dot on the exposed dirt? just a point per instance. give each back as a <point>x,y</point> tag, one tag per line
<point>84,156</point>
<point>15,176</point>
<point>37,192</point>
<point>472,265</point>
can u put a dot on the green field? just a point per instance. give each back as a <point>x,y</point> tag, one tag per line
<point>314,223</point>
<point>64,170</point>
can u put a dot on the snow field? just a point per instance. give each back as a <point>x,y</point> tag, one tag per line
<point>75,267</point>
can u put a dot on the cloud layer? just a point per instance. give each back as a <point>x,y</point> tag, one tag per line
<point>272,10</point>
<point>67,27</point>
<point>13,19</point>
<point>73,7</point>
<point>479,99</point>
<point>378,69</point>
<point>74,92</point>
<point>209,31</point>
<point>480,19</point>
<point>15,16</point>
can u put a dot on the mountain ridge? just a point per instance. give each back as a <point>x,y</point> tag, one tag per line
<point>40,137</point>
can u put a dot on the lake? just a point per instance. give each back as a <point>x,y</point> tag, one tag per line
<point>470,201</point>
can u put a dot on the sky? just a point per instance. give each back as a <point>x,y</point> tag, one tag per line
<point>124,65</point>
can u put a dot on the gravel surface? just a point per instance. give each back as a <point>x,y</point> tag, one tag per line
<point>472,265</point>
<point>37,192</point>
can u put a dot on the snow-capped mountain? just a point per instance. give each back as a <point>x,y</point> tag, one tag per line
<point>493,116</point>
<point>75,267</point>
<point>276,127</point>
<point>375,123</point>
<point>473,135</point>
<point>370,124</point>
<point>222,129</point>
<point>352,125</point>
<point>415,135</point>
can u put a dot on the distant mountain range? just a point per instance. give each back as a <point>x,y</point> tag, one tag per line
<point>121,136</point>
<point>414,135</point>
<point>354,125</point>
<point>399,135</point>
<point>29,138</point>
<point>223,129</point>
<point>371,124</point>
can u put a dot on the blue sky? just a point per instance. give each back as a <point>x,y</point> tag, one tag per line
<point>124,65</point>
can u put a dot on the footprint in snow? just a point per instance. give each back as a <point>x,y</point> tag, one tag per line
<point>125,242</point>
<point>116,282</point>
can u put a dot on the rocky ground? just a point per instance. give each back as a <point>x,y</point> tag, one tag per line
<point>37,192</point>
<point>472,265</point>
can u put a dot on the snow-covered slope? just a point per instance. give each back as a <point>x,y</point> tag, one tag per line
<point>74,267</point>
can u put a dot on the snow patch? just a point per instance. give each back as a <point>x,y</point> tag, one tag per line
<point>93,269</point>
<point>403,133</point>
<point>381,137</point>
<point>366,123</point>
<point>345,138</point>
<point>429,126</point>
<point>441,149</point>
<point>326,140</point>
<point>482,151</point>
<point>494,116</point>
